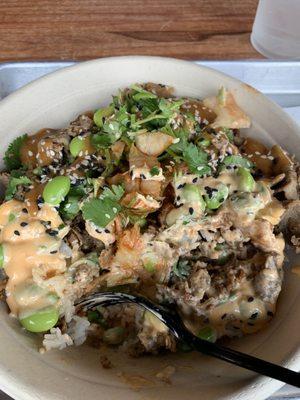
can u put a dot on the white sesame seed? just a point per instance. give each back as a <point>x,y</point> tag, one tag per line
<point>107,215</point>
<point>115,210</point>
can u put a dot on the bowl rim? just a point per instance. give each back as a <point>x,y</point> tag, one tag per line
<point>259,385</point>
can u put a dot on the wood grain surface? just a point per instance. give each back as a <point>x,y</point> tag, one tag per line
<point>83,29</point>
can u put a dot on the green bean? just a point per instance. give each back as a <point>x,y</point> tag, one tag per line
<point>77,145</point>
<point>1,256</point>
<point>216,196</point>
<point>56,190</point>
<point>40,321</point>
<point>207,333</point>
<point>246,181</point>
<point>101,114</point>
<point>114,335</point>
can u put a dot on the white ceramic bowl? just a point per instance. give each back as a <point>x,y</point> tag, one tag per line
<point>75,373</point>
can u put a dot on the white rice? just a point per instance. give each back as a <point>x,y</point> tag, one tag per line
<point>77,329</point>
<point>56,340</point>
<point>67,309</point>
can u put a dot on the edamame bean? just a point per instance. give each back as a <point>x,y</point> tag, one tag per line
<point>191,194</point>
<point>214,197</point>
<point>76,145</point>
<point>56,190</point>
<point>207,333</point>
<point>101,114</point>
<point>238,161</point>
<point>1,256</point>
<point>246,181</point>
<point>114,335</point>
<point>40,321</point>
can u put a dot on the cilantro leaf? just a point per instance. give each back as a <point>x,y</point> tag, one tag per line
<point>69,208</point>
<point>182,269</point>
<point>196,160</point>
<point>142,93</point>
<point>115,193</point>
<point>104,209</point>
<point>12,155</point>
<point>101,140</point>
<point>169,107</point>
<point>13,184</point>
<point>154,171</point>
<point>100,211</point>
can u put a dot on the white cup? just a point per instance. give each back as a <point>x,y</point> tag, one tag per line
<point>276,29</point>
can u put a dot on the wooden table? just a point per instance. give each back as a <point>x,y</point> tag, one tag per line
<point>83,29</point>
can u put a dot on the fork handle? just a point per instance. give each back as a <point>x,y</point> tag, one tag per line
<point>244,360</point>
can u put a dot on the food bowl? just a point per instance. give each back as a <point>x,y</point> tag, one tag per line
<point>76,373</point>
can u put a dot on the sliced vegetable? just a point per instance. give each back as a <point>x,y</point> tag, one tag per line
<point>40,321</point>
<point>207,333</point>
<point>214,197</point>
<point>246,181</point>
<point>56,190</point>
<point>101,114</point>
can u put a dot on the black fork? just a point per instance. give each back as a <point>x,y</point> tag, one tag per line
<point>177,328</point>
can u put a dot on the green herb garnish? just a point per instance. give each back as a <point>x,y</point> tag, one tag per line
<point>12,155</point>
<point>182,269</point>
<point>103,210</point>
<point>196,160</point>
<point>13,184</point>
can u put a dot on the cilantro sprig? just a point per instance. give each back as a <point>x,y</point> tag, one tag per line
<point>12,158</point>
<point>181,269</point>
<point>101,211</point>
<point>16,179</point>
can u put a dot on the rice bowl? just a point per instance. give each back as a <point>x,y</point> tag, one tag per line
<point>57,118</point>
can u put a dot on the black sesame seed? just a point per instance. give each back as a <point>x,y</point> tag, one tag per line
<point>195,180</point>
<point>51,232</point>
<point>224,316</point>
<point>180,186</point>
<point>53,252</point>
<point>143,176</point>
<point>106,230</point>
<point>98,231</point>
<point>131,174</point>
<point>178,198</point>
<point>24,210</point>
<point>23,224</point>
<point>254,315</point>
<point>17,233</point>
<point>191,210</point>
<point>270,314</point>
<point>250,299</point>
<point>250,324</point>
